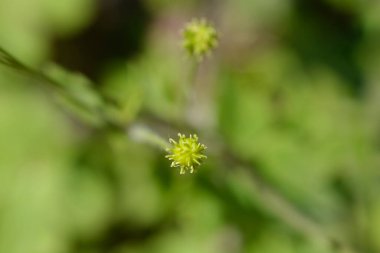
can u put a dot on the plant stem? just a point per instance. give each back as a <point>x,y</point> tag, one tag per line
<point>190,89</point>
<point>141,133</point>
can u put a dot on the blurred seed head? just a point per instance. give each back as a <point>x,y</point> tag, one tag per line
<point>199,38</point>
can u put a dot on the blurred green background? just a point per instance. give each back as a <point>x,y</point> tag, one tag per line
<point>293,89</point>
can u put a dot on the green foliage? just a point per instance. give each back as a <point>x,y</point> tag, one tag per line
<point>293,149</point>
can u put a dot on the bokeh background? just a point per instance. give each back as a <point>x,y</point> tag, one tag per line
<point>293,89</point>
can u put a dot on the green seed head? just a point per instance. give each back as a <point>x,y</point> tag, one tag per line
<point>186,154</point>
<point>199,38</point>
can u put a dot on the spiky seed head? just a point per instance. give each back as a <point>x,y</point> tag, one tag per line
<point>186,153</point>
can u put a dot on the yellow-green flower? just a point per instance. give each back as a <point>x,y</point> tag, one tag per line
<point>186,154</point>
<point>199,38</point>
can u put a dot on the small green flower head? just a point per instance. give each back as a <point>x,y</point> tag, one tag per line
<point>199,38</point>
<point>186,154</point>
